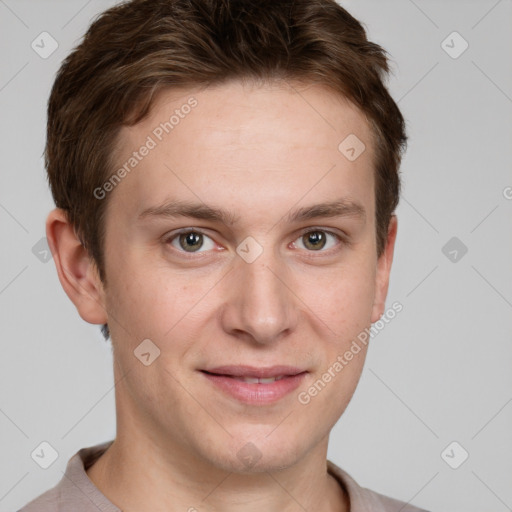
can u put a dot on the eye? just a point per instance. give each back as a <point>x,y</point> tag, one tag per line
<point>317,240</point>
<point>191,241</point>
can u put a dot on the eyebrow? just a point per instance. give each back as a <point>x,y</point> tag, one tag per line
<point>339,208</point>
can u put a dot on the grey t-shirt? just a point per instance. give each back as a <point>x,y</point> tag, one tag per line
<point>77,493</point>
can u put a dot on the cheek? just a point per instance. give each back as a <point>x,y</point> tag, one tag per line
<point>136,299</point>
<point>327,395</point>
<point>343,298</point>
<point>155,302</point>
<point>343,385</point>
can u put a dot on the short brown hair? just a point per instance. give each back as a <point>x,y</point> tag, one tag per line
<point>138,48</point>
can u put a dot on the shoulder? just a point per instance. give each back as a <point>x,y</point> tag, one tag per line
<point>47,502</point>
<point>366,500</point>
<point>75,491</point>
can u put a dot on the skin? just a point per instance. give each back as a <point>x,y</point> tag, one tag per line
<point>259,151</point>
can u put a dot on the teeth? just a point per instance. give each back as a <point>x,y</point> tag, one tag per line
<point>267,380</point>
<point>250,380</point>
<point>256,380</point>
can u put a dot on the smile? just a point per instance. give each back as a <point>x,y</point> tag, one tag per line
<point>255,386</point>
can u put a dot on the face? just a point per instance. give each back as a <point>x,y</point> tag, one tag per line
<point>242,244</point>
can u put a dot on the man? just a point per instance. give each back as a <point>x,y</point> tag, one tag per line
<point>225,175</point>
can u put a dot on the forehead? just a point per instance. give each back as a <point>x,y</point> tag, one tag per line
<point>275,138</point>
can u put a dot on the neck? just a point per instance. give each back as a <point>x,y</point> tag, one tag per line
<point>140,476</point>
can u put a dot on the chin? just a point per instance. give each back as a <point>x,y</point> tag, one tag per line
<point>258,453</point>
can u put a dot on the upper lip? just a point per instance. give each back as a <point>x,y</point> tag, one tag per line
<point>253,371</point>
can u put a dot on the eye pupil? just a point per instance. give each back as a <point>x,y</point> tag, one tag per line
<point>191,241</point>
<point>315,240</point>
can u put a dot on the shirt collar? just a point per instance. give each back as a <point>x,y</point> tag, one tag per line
<point>78,487</point>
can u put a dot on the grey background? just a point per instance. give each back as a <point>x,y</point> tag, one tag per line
<point>439,372</point>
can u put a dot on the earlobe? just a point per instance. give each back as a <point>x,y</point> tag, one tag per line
<point>383,271</point>
<point>77,273</point>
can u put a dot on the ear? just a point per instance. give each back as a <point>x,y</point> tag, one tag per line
<point>383,271</point>
<point>77,272</point>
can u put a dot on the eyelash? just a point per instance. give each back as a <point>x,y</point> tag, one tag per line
<point>341,240</point>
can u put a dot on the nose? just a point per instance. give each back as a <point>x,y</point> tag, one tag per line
<point>260,304</point>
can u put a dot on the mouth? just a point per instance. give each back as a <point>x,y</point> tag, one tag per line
<point>250,379</point>
<point>253,385</point>
<point>263,374</point>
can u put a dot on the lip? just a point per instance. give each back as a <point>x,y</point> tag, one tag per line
<point>254,371</point>
<point>224,378</point>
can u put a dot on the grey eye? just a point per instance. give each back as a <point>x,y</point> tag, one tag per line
<point>192,241</point>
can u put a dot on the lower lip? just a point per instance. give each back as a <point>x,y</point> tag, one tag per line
<point>256,393</point>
